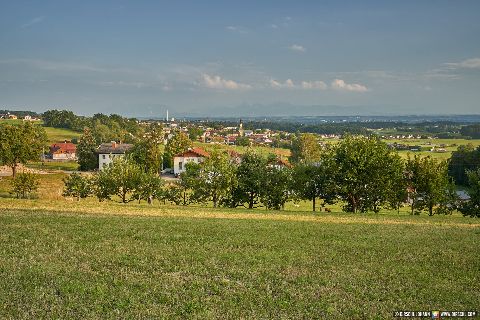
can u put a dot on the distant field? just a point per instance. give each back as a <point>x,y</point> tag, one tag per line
<point>426,144</point>
<point>58,134</point>
<point>70,260</point>
<point>263,150</point>
<point>14,121</point>
<point>54,134</point>
<point>54,165</point>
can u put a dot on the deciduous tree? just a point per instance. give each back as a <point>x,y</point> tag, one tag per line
<point>472,206</point>
<point>19,144</point>
<point>366,168</point>
<point>305,149</point>
<point>216,178</point>
<point>313,181</point>
<point>276,187</point>
<point>121,178</point>
<point>250,176</point>
<point>429,185</point>
<point>86,151</point>
<point>177,144</point>
<point>77,186</point>
<point>147,151</point>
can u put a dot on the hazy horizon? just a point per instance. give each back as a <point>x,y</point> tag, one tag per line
<point>241,59</point>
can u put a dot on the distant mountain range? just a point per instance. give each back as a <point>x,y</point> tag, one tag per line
<point>285,109</point>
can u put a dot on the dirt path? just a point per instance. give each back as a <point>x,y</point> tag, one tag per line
<point>6,171</point>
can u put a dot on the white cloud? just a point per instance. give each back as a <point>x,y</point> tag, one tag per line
<point>307,85</point>
<point>341,85</point>
<point>216,82</point>
<point>237,29</point>
<point>314,85</point>
<point>274,26</point>
<point>33,21</point>
<point>473,63</point>
<point>287,84</point>
<point>297,48</point>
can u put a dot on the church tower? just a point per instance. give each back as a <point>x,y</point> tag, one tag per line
<point>240,128</point>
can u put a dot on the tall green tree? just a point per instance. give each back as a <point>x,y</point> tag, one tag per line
<point>365,170</point>
<point>250,177</point>
<point>466,157</point>
<point>397,189</point>
<point>215,179</point>
<point>316,181</point>
<point>86,151</point>
<point>276,187</point>
<point>120,178</point>
<point>472,206</point>
<point>305,149</point>
<point>20,144</point>
<point>149,188</point>
<point>194,133</point>
<point>177,144</point>
<point>147,151</point>
<point>430,187</point>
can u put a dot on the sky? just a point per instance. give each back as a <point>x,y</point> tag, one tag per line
<point>140,58</point>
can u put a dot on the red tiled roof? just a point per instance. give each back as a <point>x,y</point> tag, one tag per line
<point>63,147</point>
<point>233,153</point>
<point>199,152</point>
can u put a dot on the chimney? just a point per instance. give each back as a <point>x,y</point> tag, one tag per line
<point>114,144</point>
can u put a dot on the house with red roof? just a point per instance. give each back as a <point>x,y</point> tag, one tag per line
<point>63,151</point>
<point>192,155</point>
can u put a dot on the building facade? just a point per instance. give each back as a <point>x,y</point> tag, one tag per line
<point>107,152</point>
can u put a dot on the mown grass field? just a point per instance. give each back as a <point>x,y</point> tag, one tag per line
<point>58,134</point>
<point>54,165</point>
<point>53,134</point>
<point>76,260</point>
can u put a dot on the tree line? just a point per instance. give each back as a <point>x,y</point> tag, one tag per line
<point>104,128</point>
<point>361,173</point>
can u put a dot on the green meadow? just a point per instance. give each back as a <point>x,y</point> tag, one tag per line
<point>66,260</point>
<point>61,258</point>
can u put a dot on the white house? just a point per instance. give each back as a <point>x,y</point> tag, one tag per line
<point>109,151</point>
<point>195,155</point>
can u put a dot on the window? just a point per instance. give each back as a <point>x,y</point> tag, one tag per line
<point>103,156</point>
<point>180,165</point>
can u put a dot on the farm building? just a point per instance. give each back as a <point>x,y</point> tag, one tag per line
<point>109,151</point>
<point>63,151</point>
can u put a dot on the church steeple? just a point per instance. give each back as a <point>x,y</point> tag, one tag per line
<point>240,128</point>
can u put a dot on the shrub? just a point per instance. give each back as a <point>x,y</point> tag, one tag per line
<point>24,184</point>
<point>77,186</point>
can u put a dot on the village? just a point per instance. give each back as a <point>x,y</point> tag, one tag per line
<point>225,136</point>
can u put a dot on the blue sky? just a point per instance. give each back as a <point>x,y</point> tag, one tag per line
<point>139,58</point>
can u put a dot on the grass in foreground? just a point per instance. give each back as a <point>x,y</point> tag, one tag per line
<point>134,262</point>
